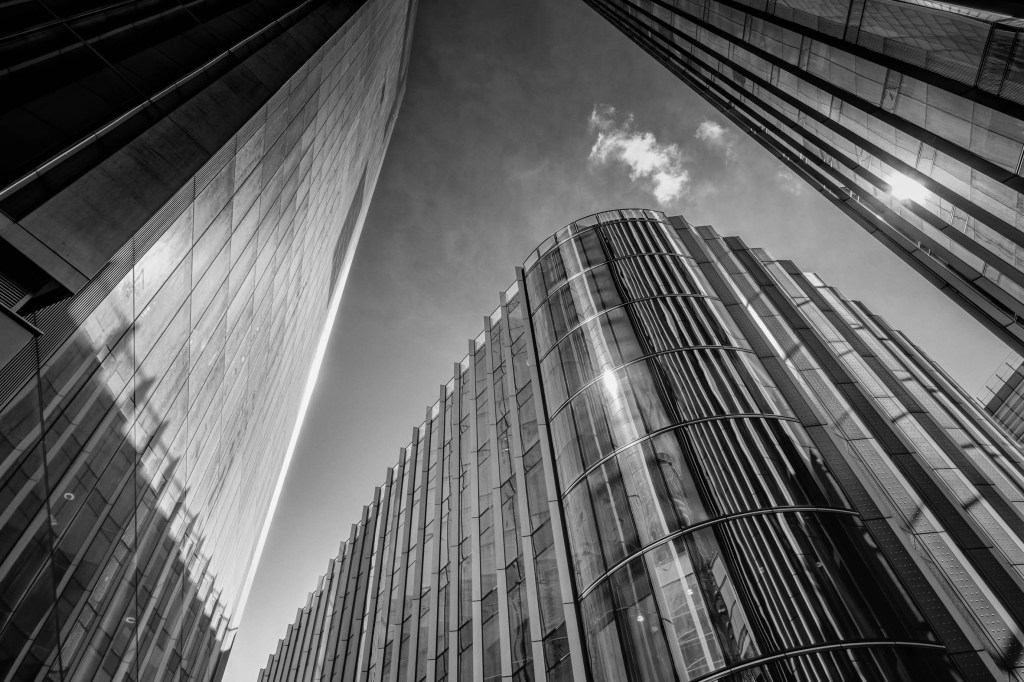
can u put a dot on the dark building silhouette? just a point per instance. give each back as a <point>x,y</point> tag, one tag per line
<point>669,456</point>
<point>182,186</point>
<point>906,114</point>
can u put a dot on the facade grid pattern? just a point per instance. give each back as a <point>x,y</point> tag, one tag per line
<point>905,115</point>
<point>1003,396</point>
<point>671,457</point>
<point>141,454</point>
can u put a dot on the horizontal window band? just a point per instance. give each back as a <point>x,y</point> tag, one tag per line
<point>839,192</point>
<point>963,154</point>
<point>988,168</point>
<point>579,231</point>
<point>820,648</point>
<point>598,314</point>
<point>600,376</point>
<point>667,429</point>
<point>153,100</point>
<point>675,535</point>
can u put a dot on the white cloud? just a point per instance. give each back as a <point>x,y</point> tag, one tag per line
<point>789,182</point>
<point>660,165</point>
<point>717,136</point>
<point>709,131</point>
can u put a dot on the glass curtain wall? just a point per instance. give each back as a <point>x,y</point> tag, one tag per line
<point>144,433</point>
<point>908,116</point>
<point>670,457</point>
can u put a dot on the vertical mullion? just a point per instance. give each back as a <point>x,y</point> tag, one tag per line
<point>274,665</point>
<point>323,620</point>
<point>567,584</point>
<point>519,474</point>
<point>414,600</point>
<point>295,642</point>
<point>455,522</point>
<point>380,532</point>
<point>396,655</point>
<point>308,637</point>
<point>474,519</point>
<point>341,602</point>
<point>435,577</point>
<point>389,531</point>
<point>306,644</point>
<point>353,612</point>
<point>504,637</point>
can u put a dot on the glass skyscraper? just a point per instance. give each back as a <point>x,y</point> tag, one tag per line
<point>183,187</point>
<point>670,457</point>
<point>907,114</point>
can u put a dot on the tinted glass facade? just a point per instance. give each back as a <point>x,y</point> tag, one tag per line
<point>671,457</point>
<point>147,423</point>
<point>907,115</point>
<point>1003,396</point>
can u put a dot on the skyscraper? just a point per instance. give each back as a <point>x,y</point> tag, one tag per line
<point>906,114</point>
<point>671,457</point>
<point>183,188</point>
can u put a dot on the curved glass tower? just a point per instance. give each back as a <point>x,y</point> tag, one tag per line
<point>670,457</point>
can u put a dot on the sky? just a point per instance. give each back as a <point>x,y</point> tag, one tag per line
<point>518,118</point>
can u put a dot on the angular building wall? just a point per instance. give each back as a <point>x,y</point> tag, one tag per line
<point>671,457</point>
<point>146,425</point>
<point>905,114</point>
<point>1003,396</point>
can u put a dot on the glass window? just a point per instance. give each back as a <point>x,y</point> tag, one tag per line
<point>938,40</point>
<point>602,635</point>
<point>997,137</point>
<point>614,519</point>
<point>587,561</point>
<point>646,650</point>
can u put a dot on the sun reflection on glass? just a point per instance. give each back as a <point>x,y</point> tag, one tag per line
<point>611,383</point>
<point>904,188</point>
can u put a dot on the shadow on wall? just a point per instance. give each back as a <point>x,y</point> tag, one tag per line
<point>104,574</point>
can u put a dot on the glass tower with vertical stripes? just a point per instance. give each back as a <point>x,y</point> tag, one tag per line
<point>669,456</point>
<point>906,114</point>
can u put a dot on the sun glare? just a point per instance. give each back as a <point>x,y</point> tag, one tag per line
<point>904,188</point>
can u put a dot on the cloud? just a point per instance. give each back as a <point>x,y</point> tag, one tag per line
<point>658,165</point>
<point>715,135</point>
<point>789,182</point>
<point>709,131</point>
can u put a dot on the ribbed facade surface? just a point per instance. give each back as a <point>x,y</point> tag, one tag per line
<point>671,457</point>
<point>145,428</point>
<point>1003,396</point>
<point>906,114</point>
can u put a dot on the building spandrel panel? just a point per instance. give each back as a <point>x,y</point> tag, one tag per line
<point>669,456</point>
<point>907,115</point>
<point>146,423</point>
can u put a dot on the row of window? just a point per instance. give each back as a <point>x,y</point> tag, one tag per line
<point>156,441</point>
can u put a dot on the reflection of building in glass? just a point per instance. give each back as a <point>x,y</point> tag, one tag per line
<point>907,114</point>
<point>183,188</point>
<point>670,457</point>
<point>1003,397</point>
